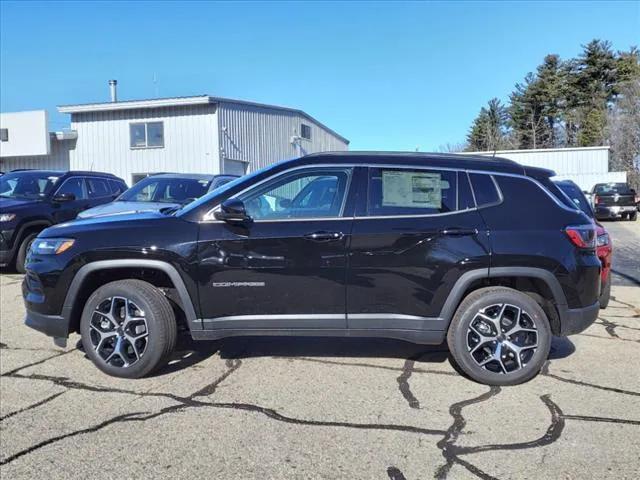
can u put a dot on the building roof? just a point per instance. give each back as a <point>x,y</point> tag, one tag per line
<point>536,150</point>
<point>178,102</point>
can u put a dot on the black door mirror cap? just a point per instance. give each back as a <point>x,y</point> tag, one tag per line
<point>232,211</point>
<point>64,197</point>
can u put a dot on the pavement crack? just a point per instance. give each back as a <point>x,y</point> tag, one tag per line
<point>403,383</point>
<point>545,372</point>
<point>585,418</point>
<point>232,366</point>
<point>610,327</point>
<point>33,364</point>
<point>447,444</point>
<point>30,407</point>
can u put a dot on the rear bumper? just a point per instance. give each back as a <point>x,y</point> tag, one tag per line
<point>576,320</point>
<point>613,211</point>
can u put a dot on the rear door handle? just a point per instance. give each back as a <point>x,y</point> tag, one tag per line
<point>324,236</point>
<point>459,232</point>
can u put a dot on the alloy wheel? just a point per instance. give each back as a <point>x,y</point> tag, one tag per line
<point>119,332</point>
<point>502,338</point>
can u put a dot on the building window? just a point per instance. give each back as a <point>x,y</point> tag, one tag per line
<point>147,135</point>
<point>305,131</point>
<point>4,134</point>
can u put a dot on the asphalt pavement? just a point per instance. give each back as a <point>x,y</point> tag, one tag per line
<point>325,408</point>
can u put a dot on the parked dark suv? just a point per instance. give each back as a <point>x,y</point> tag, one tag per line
<point>614,200</point>
<point>32,200</point>
<point>482,252</point>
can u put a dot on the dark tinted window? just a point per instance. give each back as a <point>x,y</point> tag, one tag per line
<point>305,131</point>
<point>484,189</point>
<point>576,196</point>
<point>117,187</point>
<point>465,197</point>
<point>164,189</point>
<point>98,188</point>
<point>26,184</point>
<point>396,191</point>
<point>612,189</point>
<point>73,186</point>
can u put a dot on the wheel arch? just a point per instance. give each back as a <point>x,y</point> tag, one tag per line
<point>538,283</point>
<point>93,275</point>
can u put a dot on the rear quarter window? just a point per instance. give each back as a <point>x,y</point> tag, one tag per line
<point>485,189</point>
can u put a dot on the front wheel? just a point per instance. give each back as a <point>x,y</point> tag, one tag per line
<point>633,216</point>
<point>21,257</point>
<point>499,336</point>
<point>128,328</point>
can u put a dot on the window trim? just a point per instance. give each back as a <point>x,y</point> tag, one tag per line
<point>146,135</point>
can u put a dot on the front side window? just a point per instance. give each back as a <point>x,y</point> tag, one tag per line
<point>98,188</point>
<point>146,135</point>
<point>396,191</point>
<point>73,186</point>
<point>310,194</point>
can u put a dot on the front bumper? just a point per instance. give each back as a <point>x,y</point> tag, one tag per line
<point>576,320</point>
<point>52,325</point>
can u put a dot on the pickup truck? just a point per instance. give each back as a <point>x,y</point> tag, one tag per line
<point>614,200</point>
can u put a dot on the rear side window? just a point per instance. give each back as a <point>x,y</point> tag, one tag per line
<point>117,187</point>
<point>484,189</point>
<point>394,191</point>
<point>98,188</point>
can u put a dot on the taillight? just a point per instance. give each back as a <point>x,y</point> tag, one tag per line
<point>582,236</point>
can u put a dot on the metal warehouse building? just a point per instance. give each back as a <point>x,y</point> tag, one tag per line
<point>586,165</point>
<point>199,134</point>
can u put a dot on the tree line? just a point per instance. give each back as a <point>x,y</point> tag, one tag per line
<point>590,100</point>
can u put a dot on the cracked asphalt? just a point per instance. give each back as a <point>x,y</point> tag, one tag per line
<point>326,408</point>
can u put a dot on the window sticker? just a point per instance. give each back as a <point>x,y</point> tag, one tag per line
<point>412,189</point>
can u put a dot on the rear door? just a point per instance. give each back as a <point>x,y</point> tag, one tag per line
<point>420,231</point>
<point>98,191</point>
<point>286,268</point>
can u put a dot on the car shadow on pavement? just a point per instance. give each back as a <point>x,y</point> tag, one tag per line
<point>189,352</point>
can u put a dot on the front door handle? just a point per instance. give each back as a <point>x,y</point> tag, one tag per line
<point>459,232</point>
<point>324,236</point>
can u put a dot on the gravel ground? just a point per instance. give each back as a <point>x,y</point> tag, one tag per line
<point>325,408</point>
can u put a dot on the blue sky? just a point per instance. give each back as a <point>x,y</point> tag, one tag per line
<point>388,76</point>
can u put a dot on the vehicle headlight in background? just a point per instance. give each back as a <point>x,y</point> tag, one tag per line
<point>603,239</point>
<point>7,217</point>
<point>51,246</point>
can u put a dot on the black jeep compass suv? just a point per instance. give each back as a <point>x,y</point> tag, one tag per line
<point>482,252</point>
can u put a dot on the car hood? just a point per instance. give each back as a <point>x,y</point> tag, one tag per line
<point>103,222</point>
<point>125,208</point>
<point>6,204</point>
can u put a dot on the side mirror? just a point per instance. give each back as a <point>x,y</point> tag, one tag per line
<point>64,197</point>
<point>232,211</point>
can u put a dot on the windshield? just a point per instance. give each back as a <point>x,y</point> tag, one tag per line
<point>166,190</point>
<point>574,193</point>
<point>612,189</point>
<point>27,185</point>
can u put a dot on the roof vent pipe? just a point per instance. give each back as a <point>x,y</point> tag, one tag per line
<point>113,89</point>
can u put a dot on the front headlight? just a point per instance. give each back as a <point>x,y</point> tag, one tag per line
<point>51,246</point>
<point>7,217</point>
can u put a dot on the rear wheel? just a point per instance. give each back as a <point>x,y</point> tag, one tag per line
<point>21,257</point>
<point>128,328</point>
<point>605,295</point>
<point>633,216</point>
<point>499,336</point>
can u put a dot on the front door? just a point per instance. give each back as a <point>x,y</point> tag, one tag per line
<point>419,233</point>
<point>68,210</point>
<point>286,268</point>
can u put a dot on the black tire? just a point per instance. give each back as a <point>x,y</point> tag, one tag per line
<point>605,295</point>
<point>154,315</point>
<point>530,359</point>
<point>633,216</point>
<point>21,256</point>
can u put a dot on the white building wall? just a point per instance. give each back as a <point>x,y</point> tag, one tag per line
<point>585,166</point>
<point>190,141</point>
<point>260,136</point>
<point>27,132</point>
<point>58,159</point>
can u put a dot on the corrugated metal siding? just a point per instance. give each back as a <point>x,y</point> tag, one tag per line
<point>262,136</point>
<point>585,166</point>
<point>58,159</point>
<point>190,141</point>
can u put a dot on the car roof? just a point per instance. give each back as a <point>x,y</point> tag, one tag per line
<point>189,176</point>
<point>61,173</point>
<point>450,160</point>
